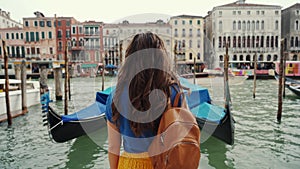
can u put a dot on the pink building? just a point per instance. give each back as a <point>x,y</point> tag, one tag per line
<point>40,41</point>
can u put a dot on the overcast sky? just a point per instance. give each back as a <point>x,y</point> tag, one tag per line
<point>110,11</point>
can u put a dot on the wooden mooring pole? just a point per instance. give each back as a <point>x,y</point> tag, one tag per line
<point>57,79</point>
<point>194,73</point>
<point>23,87</point>
<point>9,121</point>
<point>279,112</point>
<point>103,71</point>
<point>66,79</point>
<point>69,83</point>
<point>254,75</point>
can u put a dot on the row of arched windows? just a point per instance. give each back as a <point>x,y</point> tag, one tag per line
<point>250,25</point>
<point>251,58</point>
<point>249,41</point>
<point>295,41</point>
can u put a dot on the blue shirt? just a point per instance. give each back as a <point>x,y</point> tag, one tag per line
<point>132,143</point>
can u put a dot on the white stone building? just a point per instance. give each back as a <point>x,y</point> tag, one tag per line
<point>116,38</point>
<point>248,29</point>
<point>6,21</point>
<point>187,42</point>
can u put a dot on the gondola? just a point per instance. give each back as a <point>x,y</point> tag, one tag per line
<point>292,85</point>
<point>209,117</point>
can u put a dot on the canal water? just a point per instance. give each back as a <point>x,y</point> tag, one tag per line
<point>260,142</point>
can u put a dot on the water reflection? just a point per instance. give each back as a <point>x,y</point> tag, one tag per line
<point>216,150</point>
<point>86,150</point>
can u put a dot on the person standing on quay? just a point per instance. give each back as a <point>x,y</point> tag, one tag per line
<point>145,86</point>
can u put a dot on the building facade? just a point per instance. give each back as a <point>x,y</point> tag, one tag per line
<point>63,35</point>
<point>290,31</point>
<point>6,21</point>
<point>188,42</point>
<point>116,38</point>
<point>248,29</point>
<point>40,37</point>
<point>15,45</point>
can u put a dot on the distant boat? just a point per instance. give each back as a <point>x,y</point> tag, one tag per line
<point>294,88</point>
<point>292,85</point>
<point>32,91</point>
<point>92,118</point>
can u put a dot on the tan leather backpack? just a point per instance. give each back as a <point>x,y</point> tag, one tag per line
<point>177,144</point>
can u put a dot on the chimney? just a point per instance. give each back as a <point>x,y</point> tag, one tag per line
<point>241,1</point>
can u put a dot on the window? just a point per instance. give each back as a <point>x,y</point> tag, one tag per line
<point>239,12</point>
<point>183,22</point>
<point>233,12</point>
<point>191,22</point>
<point>228,41</point>
<point>32,50</point>
<point>262,41</point>
<point>220,13</point>
<point>239,25</point>
<point>7,35</point>
<point>198,22</point>
<point>220,41</point>
<point>183,32</point>
<point>253,25</point>
<point>268,42</point>
<point>244,25</point>
<point>58,23</point>
<point>190,44</point>
<point>12,36</point>
<point>248,26</point>
<point>37,36</point>
<point>276,25</point>
<point>59,34</point>
<point>276,41</point>
<point>191,56</point>
<point>220,25</point>
<point>31,36</point>
<point>234,41</point>
<point>37,50</point>
<point>35,23</point>
<point>26,23</point>
<point>175,22</point>
<point>17,36</point>
<point>176,33</point>
<point>73,30</point>
<point>248,13</point>
<point>297,25</point>
<point>257,25</point>
<point>43,35</point>
<point>51,50</point>
<point>27,36</point>
<point>262,12</point>
<point>22,36</point>
<point>198,43</point>
<point>191,33</point>
<point>239,42</point>
<point>262,25</point>
<point>68,34</point>
<point>198,56</point>
<point>80,30</point>
<point>198,33</point>
<point>257,12</point>
<point>292,42</point>
<point>297,12</point>
<point>50,35</point>
<point>68,23</point>
<point>296,42</point>
<point>42,24</point>
<point>276,12</point>
<point>49,23</point>
<point>234,25</point>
